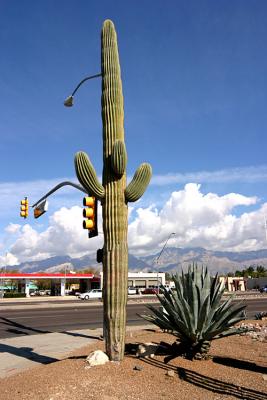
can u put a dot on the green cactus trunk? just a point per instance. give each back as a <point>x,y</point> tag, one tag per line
<point>114,207</point>
<point>113,194</point>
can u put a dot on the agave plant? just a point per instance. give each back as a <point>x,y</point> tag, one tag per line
<point>260,315</point>
<point>195,313</point>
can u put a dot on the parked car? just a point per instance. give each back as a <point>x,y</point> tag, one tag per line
<point>150,291</point>
<point>169,287</point>
<point>131,290</point>
<point>263,289</point>
<point>72,292</point>
<point>92,294</point>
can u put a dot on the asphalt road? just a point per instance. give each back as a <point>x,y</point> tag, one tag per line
<point>18,322</point>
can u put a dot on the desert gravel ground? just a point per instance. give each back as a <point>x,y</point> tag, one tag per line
<point>237,369</point>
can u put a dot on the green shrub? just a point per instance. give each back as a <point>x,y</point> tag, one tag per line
<point>195,313</point>
<point>14,294</point>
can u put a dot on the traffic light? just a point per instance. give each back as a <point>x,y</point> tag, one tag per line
<point>90,213</point>
<point>24,208</point>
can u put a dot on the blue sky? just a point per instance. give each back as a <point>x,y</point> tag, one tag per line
<point>194,83</point>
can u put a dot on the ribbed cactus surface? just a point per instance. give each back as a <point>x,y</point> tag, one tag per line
<point>114,194</point>
<point>114,207</point>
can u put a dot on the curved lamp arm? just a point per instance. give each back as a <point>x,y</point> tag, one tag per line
<point>69,100</point>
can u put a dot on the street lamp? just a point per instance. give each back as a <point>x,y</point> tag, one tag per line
<point>69,100</point>
<point>157,259</point>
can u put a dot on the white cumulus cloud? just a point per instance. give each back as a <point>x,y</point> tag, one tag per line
<point>64,235</point>
<point>13,228</point>
<point>198,219</point>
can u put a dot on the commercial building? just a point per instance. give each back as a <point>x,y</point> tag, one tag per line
<point>83,282</point>
<point>142,280</point>
<point>233,284</point>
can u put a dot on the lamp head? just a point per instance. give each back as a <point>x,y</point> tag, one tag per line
<point>69,101</point>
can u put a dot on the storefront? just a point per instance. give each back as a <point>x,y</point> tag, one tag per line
<point>57,282</point>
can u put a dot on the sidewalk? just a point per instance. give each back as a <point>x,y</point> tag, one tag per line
<point>21,353</point>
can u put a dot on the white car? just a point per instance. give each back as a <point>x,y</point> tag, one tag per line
<point>131,290</point>
<point>92,294</point>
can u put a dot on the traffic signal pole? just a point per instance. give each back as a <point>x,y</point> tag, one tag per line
<point>59,186</point>
<point>40,206</point>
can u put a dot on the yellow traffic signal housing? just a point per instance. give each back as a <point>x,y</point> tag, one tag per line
<point>24,208</point>
<point>90,213</point>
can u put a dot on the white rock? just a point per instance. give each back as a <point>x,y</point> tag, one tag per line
<point>97,357</point>
<point>170,373</point>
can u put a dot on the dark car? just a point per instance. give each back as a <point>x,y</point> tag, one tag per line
<point>263,289</point>
<point>150,291</point>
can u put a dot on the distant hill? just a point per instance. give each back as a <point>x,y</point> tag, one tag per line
<point>171,260</point>
<point>59,263</point>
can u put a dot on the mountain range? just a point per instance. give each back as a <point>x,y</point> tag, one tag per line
<point>171,260</point>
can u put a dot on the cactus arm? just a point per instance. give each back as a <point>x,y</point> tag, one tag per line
<point>139,183</point>
<point>87,176</point>
<point>119,157</point>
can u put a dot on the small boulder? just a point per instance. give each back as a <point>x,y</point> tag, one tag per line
<point>138,368</point>
<point>97,357</point>
<point>170,373</point>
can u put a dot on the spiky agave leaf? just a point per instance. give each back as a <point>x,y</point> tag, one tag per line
<point>170,317</point>
<point>194,311</point>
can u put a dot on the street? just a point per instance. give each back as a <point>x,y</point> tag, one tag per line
<point>46,320</point>
<point>79,315</point>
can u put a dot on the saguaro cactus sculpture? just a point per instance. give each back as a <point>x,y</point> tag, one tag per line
<point>113,194</point>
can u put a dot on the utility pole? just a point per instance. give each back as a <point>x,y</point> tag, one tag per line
<point>265,226</point>
<point>157,259</point>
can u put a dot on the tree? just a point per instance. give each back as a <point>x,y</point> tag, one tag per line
<point>88,270</point>
<point>43,284</point>
<point>249,272</point>
<point>168,276</point>
<point>261,271</point>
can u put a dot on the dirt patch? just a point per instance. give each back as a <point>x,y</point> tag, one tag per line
<point>237,369</point>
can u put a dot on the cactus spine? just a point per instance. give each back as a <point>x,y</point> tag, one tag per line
<point>114,194</point>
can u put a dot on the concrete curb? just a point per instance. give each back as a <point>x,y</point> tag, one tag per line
<point>8,304</point>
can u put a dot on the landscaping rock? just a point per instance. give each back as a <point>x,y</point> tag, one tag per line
<point>97,357</point>
<point>256,331</point>
<point>170,373</point>
<point>138,368</point>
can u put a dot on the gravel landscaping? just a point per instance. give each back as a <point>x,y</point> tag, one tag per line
<point>237,369</point>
